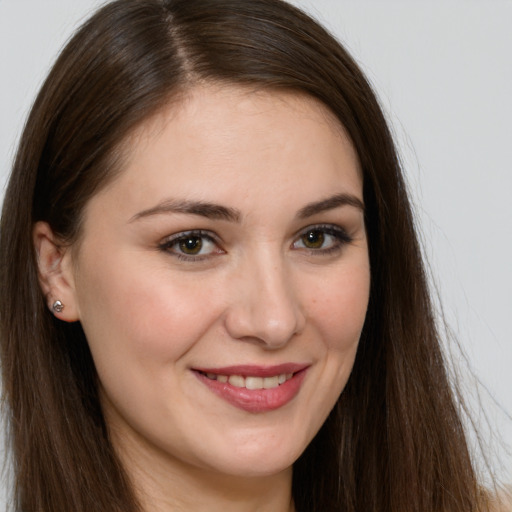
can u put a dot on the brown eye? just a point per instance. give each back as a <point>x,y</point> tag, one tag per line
<point>190,245</point>
<point>322,239</point>
<point>313,239</point>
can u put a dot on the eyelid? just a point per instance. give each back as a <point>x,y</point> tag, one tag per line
<point>340,235</point>
<point>190,232</point>
<point>338,232</point>
<point>167,243</point>
<point>333,229</point>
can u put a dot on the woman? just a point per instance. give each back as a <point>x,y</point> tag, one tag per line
<point>224,304</point>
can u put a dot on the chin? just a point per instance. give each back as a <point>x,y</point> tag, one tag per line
<point>259,459</point>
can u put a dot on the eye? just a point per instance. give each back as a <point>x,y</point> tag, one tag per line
<point>191,245</point>
<point>313,239</point>
<point>322,239</point>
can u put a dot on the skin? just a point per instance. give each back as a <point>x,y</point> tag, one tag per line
<point>258,292</point>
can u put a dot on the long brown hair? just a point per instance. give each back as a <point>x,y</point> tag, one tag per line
<point>394,441</point>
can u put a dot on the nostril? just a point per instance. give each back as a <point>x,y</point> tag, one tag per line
<point>264,308</point>
<point>269,326</point>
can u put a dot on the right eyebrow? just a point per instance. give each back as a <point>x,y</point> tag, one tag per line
<point>201,208</point>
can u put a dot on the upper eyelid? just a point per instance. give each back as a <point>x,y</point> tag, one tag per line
<point>168,242</point>
<point>322,227</point>
<point>339,233</point>
<point>214,237</point>
<point>191,232</point>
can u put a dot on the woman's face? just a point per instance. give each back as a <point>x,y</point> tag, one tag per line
<point>222,281</point>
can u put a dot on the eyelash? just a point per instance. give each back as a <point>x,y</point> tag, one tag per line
<point>340,236</point>
<point>169,243</point>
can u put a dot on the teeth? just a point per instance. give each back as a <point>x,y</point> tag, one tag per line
<point>237,381</point>
<point>270,382</point>
<point>250,382</point>
<point>254,383</point>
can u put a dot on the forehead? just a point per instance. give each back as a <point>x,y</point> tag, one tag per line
<point>222,143</point>
<point>223,114</point>
<point>202,101</point>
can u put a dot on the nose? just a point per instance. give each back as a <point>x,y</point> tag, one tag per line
<point>265,306</point>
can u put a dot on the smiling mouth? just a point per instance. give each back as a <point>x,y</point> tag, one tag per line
<point>250,382</point>
<point>255,389</point>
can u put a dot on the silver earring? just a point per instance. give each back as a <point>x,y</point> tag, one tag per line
<point>57,306</point>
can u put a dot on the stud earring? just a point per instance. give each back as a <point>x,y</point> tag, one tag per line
<point>57,306</point>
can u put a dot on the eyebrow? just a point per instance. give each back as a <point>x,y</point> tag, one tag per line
<point>204,209</point>
<point>330,203</point>
<point>219,212</point>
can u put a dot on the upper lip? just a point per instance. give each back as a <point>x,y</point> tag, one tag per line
<point>254,370</point>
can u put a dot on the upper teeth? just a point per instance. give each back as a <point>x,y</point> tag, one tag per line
<point>252,382</point>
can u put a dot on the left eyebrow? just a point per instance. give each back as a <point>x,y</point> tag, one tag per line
<point>330,203</point>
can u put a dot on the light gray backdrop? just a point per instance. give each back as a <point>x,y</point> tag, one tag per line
<point>443,71</point>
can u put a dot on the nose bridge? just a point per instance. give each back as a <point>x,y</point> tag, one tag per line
<point>266,307</point>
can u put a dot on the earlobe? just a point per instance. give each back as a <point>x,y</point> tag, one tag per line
<point>55,273</point>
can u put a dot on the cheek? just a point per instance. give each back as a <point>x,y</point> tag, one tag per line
<point>336,311</point>
<point>132,312</point>
<point>339,308</point>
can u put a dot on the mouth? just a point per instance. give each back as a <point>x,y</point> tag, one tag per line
<point>255,389</point>
<point>251,382</point>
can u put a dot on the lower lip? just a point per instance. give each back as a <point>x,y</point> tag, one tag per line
<point>256,400</point>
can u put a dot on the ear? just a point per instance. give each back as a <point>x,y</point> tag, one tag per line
<point>55,267</point>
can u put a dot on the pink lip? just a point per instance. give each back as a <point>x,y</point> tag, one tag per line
<point>255,400</point>
<point>255,370</point>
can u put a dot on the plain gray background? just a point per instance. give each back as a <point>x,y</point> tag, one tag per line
<point>443,72</point>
